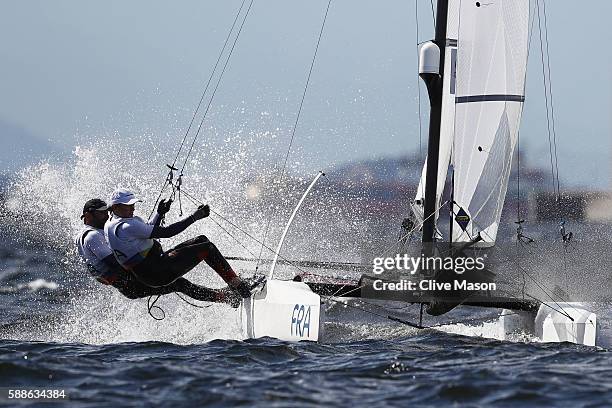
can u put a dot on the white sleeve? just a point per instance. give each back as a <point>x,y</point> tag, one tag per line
<point>153,218</point>
<point>97,245</point>
<point>135,228</point>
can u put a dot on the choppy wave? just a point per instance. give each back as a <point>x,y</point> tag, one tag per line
<point>428,369</point>
<point>33,286</point>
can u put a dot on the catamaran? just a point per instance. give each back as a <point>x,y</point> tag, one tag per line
<point>475,73</point>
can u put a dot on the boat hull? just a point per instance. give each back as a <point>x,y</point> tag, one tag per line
<point>291,311</point>
<point>561,322</point>
<point>285,310</point>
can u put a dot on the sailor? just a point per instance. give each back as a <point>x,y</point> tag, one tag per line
<point>102,264</point>
<point>135,245</point>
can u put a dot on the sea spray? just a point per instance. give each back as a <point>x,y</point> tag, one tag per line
<point>45,200</point>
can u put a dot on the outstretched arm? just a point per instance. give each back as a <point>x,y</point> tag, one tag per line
<point>174,229</point>
<point>171,230</point>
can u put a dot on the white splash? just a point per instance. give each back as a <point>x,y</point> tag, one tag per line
<point>33,286</point>
<point>46,200</point>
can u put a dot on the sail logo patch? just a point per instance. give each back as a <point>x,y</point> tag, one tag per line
<point>300,321</point>
<point>462,219</point>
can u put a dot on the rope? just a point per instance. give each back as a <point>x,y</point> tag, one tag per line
<point>314,57</point>
<point>190,303</point>
<point>151,305</point>
<point>233,237</point>
<point>169,179</point>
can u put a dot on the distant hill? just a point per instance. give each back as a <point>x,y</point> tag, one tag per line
<point>20,148</point>
<point>383,170</point>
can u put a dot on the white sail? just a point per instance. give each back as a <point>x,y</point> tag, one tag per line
<point>448,115</point>
<point>491,64</point>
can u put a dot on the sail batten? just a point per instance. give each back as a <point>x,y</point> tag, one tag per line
<point>490,98</point>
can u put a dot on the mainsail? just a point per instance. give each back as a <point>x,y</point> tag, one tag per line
<point>483,95</point>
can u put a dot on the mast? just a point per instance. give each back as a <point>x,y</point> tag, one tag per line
<point>434,87</point>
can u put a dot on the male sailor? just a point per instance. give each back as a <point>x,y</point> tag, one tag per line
<point>102,264</point>
<point>135,245</point>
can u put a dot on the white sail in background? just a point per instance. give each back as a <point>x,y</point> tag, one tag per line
<point>448,114</point>
<point>491,64</point>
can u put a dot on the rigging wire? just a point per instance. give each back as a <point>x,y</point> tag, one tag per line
<point>289,262</point>
<point>560,310</point>
<point>282,174</point>
<point>221,226</point>
<point>418,80</point>
<point>390,247</point>
<point>554,169</point>
<point>518,148</point>
<point>214,92</point>
<point>541,286</point>
<point>433,14</point>
<point>552,105</point>
<point>519,221</point>
<point>550,117</point>
<point>229,34</point>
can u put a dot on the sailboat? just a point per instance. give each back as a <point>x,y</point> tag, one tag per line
<point>475,71</point>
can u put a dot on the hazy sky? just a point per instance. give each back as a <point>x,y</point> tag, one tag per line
<point>73,70</point>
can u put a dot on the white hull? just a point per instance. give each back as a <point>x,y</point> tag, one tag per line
<point>559,322</point>
<point>290,311</point>
<point>285,310</point>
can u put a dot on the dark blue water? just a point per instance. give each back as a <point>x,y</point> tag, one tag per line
<point>55,334</point>
<point>429,369</point>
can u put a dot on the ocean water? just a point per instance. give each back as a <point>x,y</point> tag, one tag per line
<point>104,350</point>
<point>61,330</point>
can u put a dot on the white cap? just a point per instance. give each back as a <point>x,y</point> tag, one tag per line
<point>123,196</point>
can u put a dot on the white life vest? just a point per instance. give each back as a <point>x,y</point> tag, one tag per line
<point>93,248</point>
<point>129,239</point>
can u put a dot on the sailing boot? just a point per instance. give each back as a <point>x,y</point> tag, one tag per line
<point>229,296</point>
<point>241,287</point>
